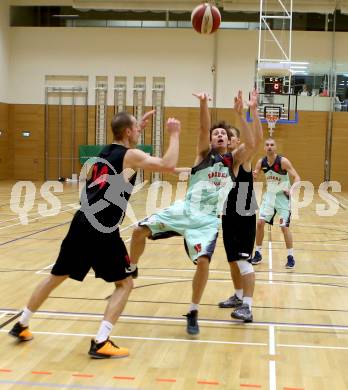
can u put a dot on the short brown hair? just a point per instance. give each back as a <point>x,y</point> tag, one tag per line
<point>222,125</point>
<point>120,123</point>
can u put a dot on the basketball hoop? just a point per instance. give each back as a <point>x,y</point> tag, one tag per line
<point>272,119</point>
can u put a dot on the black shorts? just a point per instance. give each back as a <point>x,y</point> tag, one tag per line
<point>84,248</point>
<point>239,236</point>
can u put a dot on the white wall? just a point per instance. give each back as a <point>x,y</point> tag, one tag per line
<point>4,49</point>
<point>183,57</point>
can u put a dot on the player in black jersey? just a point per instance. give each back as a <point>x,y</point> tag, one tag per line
<point>93,240</point>
<point>239,226</point>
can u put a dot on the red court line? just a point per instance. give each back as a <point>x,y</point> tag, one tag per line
<point>293,388</point>
<point>41,372</point>
<point>129,378</point>
<point>253,386</point>
<point>84,375</point>
<point>165,380</point>
<point>208,383</point>
<point>5,370</point>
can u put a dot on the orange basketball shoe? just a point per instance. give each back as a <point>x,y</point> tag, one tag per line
<point>22,333</point>
<point>107,350</point>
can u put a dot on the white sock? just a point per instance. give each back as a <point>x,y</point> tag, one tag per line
<point>25,317</point>
<point>291,252</point>
<point>103,332</point>
<point>239,293</point>
<point>248,301</point>
<point>193,306</point>
<point>259,248</point>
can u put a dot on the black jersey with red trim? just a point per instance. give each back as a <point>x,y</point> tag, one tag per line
<point>107,191</point>
<point>275,167</point>
<point>277,178</point>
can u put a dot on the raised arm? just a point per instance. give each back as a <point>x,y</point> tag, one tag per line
<point>135,158</point>
<point>257,125</point>
<point>245,150</point>
<point>203,145</point>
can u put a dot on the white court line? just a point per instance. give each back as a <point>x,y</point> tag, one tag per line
<point>33,219</point>
<point>41,271</point>
<point>313,346</point>
<point>257,272</point>
<point>316,225</point>
<point>311,275</point>
<point>203,321</point>
<point>174,279</point>
<point>321,244</point>
<point>152,338</point>
<point>4,314</point>
<point>272,363</point>
<point>272,375</point>
<point>194,341</point>
<point>271,334</point>
<point>74,206</point>
<point>37,213</point>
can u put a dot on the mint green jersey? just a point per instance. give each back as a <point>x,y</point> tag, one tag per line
<point>196,217</point>
<point>209,184</point>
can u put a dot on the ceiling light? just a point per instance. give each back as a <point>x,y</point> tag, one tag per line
<point>294,62</point>
<point>299,71</point>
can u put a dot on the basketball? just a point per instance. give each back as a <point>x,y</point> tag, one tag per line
<point>206,18</point>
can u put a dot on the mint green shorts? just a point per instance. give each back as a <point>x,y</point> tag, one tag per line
<point>275,203</point>
<point>199,231</point>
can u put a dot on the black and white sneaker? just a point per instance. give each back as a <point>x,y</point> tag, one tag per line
<point>243,313</point>
<point>232,301</point>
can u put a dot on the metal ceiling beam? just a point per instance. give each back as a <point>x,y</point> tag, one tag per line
<point>319,6</point>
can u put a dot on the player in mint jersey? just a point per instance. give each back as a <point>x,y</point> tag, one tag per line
<point>196,218</point>
<point>276,199</point>
<point>239,226</point>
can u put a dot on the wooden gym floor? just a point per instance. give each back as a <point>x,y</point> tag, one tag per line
<point>298,340</point>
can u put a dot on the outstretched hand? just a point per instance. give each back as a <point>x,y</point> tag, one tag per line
<point>203,96</point>
<point>238,103</point>
<point>253,102</point>
<point>173,126</point>
<point>145,119</point>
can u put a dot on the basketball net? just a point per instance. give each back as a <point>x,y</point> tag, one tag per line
<point>272,119</point>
